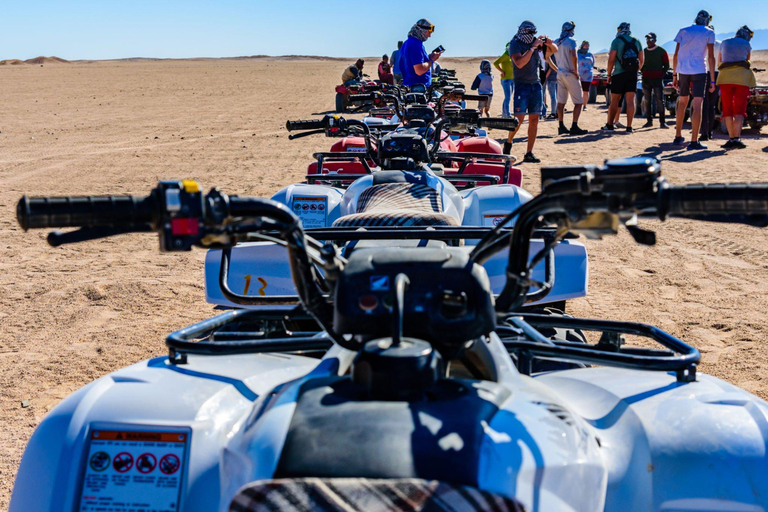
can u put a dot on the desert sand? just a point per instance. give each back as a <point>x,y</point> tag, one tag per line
<point>73,314</point>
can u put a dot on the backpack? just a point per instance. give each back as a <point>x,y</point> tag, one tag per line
<point>629,58</point>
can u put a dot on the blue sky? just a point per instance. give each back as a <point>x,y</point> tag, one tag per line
<point>194,28</point>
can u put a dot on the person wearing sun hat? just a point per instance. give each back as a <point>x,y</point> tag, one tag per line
<point>694,44</point>
<point>415,63</point>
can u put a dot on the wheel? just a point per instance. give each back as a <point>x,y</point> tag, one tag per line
<point>592,94</point>
<point>755,125</point>
<point>341,102</point>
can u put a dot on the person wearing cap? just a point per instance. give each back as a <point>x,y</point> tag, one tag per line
<point>415,63</point>
<point>624,60</point>
<point>586,69</point>
<point>655,66</point>
<point>353,74</point>
<point>523,50</point>
<point>694,44</point>
<point>735,79</point>
<point>568,83</point>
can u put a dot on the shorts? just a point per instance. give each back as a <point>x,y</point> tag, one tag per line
<point>585,86</point>
<point>485,103</point>
<point>624,83</point>
<point>528,99</point>
<point>734,99</point>
<point>568,85</point>
<point>693,85</point>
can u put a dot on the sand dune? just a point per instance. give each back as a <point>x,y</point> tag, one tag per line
<point>47,60</point>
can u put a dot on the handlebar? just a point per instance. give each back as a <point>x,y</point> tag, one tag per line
<point>86,211</point>
<point>305,124</point>
<point>715,199</point>
<point>499,123</point>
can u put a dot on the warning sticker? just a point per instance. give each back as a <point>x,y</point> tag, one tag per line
<point>311,210</point>
<point>129,471</point>
<point>492,220</point>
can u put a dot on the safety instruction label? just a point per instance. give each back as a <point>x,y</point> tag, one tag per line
<point>311,210</point>
<point>133,471</point>
<point>493,220</point>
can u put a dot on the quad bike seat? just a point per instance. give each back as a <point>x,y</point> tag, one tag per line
<point>398,204</point>
<point>373,495</point>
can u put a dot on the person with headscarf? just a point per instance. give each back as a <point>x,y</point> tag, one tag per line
<point>735,79</point>
<point>568,80</point>
<point>586,65</point>
<point>483,84</point>
<point>694,44</point>
<point>524,51</point>
<point>624,60</point>
<point>415,63</point>
<point>353,74</point>
<point>655,66</point>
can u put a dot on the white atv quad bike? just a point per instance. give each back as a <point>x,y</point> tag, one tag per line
<point>393,194</point>
<point>402,382</point>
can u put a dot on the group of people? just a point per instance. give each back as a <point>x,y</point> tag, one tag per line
<point>534,64</point>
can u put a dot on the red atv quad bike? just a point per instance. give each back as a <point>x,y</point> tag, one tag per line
<point>346,99</point>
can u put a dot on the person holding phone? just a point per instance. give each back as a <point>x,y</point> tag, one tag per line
<point>415,63</point>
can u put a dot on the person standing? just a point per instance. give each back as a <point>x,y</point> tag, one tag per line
<point>624,61</point>
<point>709,105</point>
<point>694,43</point>
<point>586,70</point>
<point>415,63</point>
<point>735,79</point>
<point>505,67</point>
<point>483,84</point>
<point>568,80</point>
<point>353,74</point>
<point>550,83</point>
<point>523,50</point>
<point>395,61</point>
<point>655,66</point>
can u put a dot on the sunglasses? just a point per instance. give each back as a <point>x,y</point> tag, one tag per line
<point>430,28</point>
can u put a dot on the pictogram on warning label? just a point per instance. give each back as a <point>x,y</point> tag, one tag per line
<point>169,464</point>
<point>99,461</point>
<point>146,463</point>
<point>311,210</point>
<point>122,462</point>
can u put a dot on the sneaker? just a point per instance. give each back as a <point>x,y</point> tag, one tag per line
<point>531,158</point>
<point>663,124</point>
<point>696,145</point>
<point>507,148</point>
<point>678,141</point>
<point>576,130</point>
<point>607,128</point>
<point>630,129</point>
<point>728,145</point>
<point>552,116</point>
<point>737,144</point>
<point>562,130</point>
<point>648,124</point>
<point>619,125</point>
<point>704,137</point>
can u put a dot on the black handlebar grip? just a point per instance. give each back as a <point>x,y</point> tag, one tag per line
<point>360,97</point>
<point>84,211</point>
<point>499,123</point>
<point>716,199</point>
<point>305,124</point>
<point>475,97</point>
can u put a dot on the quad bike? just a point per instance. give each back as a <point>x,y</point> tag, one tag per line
<point>401,381</point>
<point>345,100</point>
<point>400,190</point>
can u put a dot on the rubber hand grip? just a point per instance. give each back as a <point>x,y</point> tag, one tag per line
<point>716,199</point>
<point>499,123</point>
<point>360,97</point>
<point>305,124</point>
<point>84,211</point>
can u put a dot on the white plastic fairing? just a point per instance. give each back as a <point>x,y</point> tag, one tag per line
<point>320,203</point>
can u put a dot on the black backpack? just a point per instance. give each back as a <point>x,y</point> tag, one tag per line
<point>629,58</point>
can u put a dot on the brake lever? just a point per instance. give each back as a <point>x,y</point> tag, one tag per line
<point>304,134</point>
<point>57,238</point>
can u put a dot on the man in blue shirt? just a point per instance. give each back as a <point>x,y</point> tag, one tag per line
<point>415,64</point>
<point>395,59</point>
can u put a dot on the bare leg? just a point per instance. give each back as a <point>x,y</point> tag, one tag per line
<point>560,111</point>
<point>577,112</point>
<point>520,120</point>
<point>696,118</point>
<point>533,128</point>
<point>614,108</point>
<point>630,99</point>
<point>730,124</point>
<point>682,106</point>
<point>738,124</point>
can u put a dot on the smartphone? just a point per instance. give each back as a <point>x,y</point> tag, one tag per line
<point>439,49</point>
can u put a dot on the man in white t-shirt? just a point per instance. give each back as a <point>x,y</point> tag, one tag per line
<point>694,44</point>
<point>568,80</point>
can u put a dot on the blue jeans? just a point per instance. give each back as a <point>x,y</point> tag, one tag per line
<point>509,90</point>
<point>528,99</point>
<point>551,87</point>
